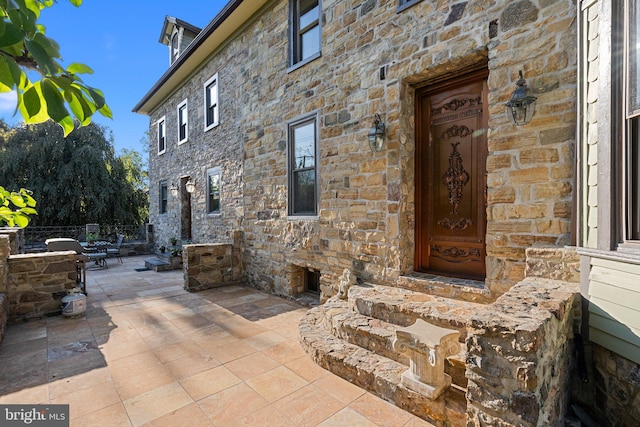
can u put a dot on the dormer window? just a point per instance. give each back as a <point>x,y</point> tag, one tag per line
<point>177,35</point>
<point>174,46</point>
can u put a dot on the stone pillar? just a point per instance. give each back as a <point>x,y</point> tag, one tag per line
<point>427,347</point>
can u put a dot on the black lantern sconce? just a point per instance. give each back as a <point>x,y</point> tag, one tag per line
<point>174,190</point>
<point>190,186</point>
<point>522,105</point>
<point>376,135</point>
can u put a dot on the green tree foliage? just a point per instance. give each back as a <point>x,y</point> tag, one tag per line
<point>57,92</point>
<point>78,179</point>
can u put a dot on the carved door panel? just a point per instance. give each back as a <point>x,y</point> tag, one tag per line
<point>451,130</point>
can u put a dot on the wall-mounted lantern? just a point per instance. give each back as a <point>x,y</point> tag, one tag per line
<point>522,105</point>
<point>174,190</point>
<point>376,135</point>
<point>190,186</point>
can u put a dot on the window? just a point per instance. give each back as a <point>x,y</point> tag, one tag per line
<point>183,125</point>
<point>163,197</point>
<point>302,170</point>
<point>632,118</point>
<point>305,30</point>
<point>404,4</point>
<point>175,51</point>
<point>211,103</point>
<point>162,146</point>
<point>213,191</point>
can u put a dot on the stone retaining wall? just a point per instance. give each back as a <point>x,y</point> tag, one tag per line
<point>209,266</point>
<point>37,283</point>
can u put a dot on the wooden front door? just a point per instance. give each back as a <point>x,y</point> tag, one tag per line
<point>451,154</point>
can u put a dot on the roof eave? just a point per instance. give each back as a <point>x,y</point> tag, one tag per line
<point>232,16</point>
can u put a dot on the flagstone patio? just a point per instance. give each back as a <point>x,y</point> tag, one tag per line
<point>149,353</point>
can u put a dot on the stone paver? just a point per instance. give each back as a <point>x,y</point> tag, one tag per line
<point>148,353</point>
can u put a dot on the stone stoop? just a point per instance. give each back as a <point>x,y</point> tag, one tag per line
<point>375,373</point>
<point>377,336</point>
<point>446,287</point>
<point>403,307</point>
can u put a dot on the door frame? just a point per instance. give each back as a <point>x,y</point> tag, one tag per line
<point>443,84</point>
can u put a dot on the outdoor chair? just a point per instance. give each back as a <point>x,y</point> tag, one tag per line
<point>114,250</point>
<point>96,253</point>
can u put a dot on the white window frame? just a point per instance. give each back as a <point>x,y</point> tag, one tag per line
<point>216,119</point>
<point>161,129</point>
<point>186,121</point>
<point>210,172</point>
<point>174,51</point>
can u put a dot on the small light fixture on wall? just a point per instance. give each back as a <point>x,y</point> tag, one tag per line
<point>376,135</point>
<point>190,186</point>
<point>174,190</point>
<point>522,105</point>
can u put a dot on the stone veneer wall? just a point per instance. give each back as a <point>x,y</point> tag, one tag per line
<point>209,266</point>
<point>37,283</point>
<point>366,218</point>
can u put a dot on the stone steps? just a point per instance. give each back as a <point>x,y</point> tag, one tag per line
<point>403,307</point>
<point>374,372</point>
<point>377,336</point>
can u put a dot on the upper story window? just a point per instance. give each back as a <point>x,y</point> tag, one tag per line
<point>403,4</point>
<point>213,190</point>
<point>211,103</point>
<point>164,193</point>
<point>162,140</point>
<point>175,46</point>
<point>183,122</point>
<point>305,30</point>
<point>302,166</point>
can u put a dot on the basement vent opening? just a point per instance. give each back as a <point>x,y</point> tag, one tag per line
<point>312,281</point>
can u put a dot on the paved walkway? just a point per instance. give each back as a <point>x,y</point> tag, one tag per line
<point>149,353</point>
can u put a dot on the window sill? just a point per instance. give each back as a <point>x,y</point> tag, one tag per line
<point>184,141</point>
<point>303,218</point>
<point>161,152</point>
<point>627,252</point>
<point>214,215</point>
<point>215,125</point>
<point>303,62</point>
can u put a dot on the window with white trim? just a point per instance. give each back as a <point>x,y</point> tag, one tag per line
<point>213,191</point>
<point>183,122</point>
<point>211,114</point>
<point>175,42</point>
<point>162,135</point>
<point>305,30</point>
<point>302,166</point>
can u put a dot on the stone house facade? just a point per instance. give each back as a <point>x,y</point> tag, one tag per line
<point>259,137</point>
<point>372,57</point>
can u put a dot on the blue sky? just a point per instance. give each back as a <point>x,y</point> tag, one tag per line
<point>118,39</point>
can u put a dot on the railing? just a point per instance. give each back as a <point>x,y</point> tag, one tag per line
<point>35,236</point>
